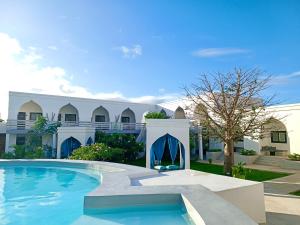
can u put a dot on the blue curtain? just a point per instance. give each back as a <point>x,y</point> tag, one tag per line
<point>173,147</point>
<point>160,148</point>
<point>68,146</point>
<point>152,157</point>
<point>182,154</point>
<point>89,141</point>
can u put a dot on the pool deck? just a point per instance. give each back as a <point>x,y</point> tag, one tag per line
<point>209,199</point>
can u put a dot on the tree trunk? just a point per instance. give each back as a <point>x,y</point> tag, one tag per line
<point>228,157</point>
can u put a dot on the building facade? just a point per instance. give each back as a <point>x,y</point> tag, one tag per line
<point>80,118</point>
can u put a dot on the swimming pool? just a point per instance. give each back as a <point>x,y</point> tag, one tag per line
<point>55,195</point>
<point>39,195</point>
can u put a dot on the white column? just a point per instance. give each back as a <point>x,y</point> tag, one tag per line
<point>187,155</point>
<point>200,143</point>
<point>7,142</point>
<point>148,155</point>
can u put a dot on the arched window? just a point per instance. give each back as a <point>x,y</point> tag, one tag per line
<point>100,115</point>
<point>30,111</point>
<point>68,114</point>
<point>128,116</point>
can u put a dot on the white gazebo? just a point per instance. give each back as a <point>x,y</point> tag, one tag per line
<point>175,131</point>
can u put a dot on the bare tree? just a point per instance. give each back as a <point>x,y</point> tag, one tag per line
<point>231,106</point>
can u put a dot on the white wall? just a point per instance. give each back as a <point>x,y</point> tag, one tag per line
<point>51,104</point>
<point>289,115</point>
<point>178,128</point>
<point>82,134</point>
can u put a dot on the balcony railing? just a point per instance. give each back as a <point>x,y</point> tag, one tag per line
<point>101,126</point>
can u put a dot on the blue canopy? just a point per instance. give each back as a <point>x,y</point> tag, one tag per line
<point>173,147</point>
<point>68,146</point>
<point>158,148</point>
<point>89,141</point>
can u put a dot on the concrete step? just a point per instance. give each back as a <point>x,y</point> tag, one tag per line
<point>269,160</point>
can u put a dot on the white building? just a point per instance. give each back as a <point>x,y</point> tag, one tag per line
<point>79,119</point>
<point>281,139</point>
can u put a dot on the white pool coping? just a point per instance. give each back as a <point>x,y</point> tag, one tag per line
<point>125,185</point>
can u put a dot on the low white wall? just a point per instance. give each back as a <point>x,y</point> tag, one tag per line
<point>250,199</point>
<point>248,159</point>
<point>82,134</point>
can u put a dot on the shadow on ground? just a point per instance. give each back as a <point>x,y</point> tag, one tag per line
<point>282,219</point>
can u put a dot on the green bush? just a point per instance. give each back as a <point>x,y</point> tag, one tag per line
<point>97,152</point>
<point>126,142</point>
<point>239,171</point>
<point>215,150</point>
<point>24,152</point>
<point>294,157</point>
<point>156,115</point>
<point>7,155</point>
<point>247,152</point>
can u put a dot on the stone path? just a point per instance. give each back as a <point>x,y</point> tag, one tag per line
<point>282,208</point>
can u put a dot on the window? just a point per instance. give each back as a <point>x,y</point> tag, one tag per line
<point>59,117</point>
<point>21,116</point>
<point>278,137</point>
<point>125,119</point>
<point>34,115</point>
<point>20,140</point>
<point>99,118</point>
<point>70,117</point>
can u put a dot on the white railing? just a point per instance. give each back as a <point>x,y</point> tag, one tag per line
<point>103,126</point>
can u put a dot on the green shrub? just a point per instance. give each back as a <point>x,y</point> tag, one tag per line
<point>247,152</point>
<point>215,150</point>
<point>24,152</point>
<point>97,152</point>
<point>210,161</point>
<point>19,151</point>
<point>7,155</point>
<point>239,171</point>
<point>126,142</point>
<point>294,157</point>
<point>156,115</point>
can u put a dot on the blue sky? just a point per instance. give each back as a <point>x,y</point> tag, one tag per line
<point>154,48</point>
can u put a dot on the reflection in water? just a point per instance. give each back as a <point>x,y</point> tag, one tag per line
<point>65,177</point>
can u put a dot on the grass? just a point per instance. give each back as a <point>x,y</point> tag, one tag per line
<point>297,193</point>
<point>254,175</point>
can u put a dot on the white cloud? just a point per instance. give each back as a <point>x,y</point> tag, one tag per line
<point>133,52</point>
<point>52,47</point>
<point>285,78</point>
<point>20,71</point>
<point>216,52</point>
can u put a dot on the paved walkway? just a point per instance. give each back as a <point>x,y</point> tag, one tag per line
<point>282,208</point>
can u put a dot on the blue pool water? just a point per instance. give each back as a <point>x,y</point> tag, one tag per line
<point>142,215</point>
<point>35,195</point>
<point>41,195</point>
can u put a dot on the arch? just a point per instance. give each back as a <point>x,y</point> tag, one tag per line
<point>68,113</point>
<point>163,112</point>
<point>68,146</point>
<point>275,134</point>
<point>128,116</point>
<point>89,141</point>
<point>179,113</point>
<point>100,114</point>
<point>30,111</point>
<point>158,147</point>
